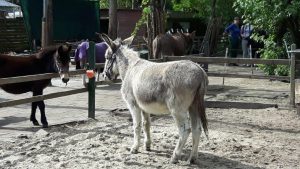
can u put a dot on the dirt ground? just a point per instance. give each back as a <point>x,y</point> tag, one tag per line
<point>239,137</point>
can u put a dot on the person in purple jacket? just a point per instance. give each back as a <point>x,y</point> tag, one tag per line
<point>233,30</point>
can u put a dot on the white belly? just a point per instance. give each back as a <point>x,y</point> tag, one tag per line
<point>154,108</point>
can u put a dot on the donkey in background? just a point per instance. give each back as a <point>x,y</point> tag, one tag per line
<point>159,88</point>
<point>177,44</point>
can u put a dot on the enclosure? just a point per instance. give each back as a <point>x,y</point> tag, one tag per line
<point>240,137</point>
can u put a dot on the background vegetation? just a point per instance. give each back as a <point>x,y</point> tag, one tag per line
<point>279,18</point>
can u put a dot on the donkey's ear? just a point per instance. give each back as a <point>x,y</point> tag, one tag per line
<point>60,49</point>
<point>64,48</point>
<point>193,34</point>
<point>106,39</point>
<point>128,41</point>
<point>109,42</point>
<point>69,48</point>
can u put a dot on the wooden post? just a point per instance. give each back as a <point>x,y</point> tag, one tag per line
<point>292,77</point>
<point>47,24</point>
<point>225,65</point>
<point>50,23</point>
<point>251,57</point>
<point>91,84</point>
<point>44,24</point>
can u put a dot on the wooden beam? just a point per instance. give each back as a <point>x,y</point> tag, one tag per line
<point>229,60</point>
<point>248,76</point>
<point>292,77</point>
<point>41,97</point>
<point>238,105</point>
<point>28,78</point>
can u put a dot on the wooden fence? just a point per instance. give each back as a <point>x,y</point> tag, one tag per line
<point>292,62</point>
<point>92,84</point>
<point>13,36</point>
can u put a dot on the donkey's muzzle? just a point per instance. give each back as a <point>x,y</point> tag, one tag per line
<point>64,77</point>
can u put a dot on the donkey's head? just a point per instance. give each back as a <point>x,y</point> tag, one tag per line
<point>62,61</point>
<point>189,39</point>
<point>112,55</point>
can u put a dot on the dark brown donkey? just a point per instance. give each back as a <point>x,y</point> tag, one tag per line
<point>48,60</point>
<point>177,44</point>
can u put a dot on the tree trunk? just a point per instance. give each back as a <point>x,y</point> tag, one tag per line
<point>156,22</point>
<point>209,43</point>
<point>135,4</point>
<point>50,22</point>
<point>113,22</point>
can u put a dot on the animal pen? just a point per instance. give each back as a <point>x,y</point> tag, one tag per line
<point>92,84</point>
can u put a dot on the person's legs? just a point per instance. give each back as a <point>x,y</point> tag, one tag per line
<point>245,48</point>
<point>234,45</point>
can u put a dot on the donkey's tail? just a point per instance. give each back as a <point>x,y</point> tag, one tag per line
<point>201,103</point>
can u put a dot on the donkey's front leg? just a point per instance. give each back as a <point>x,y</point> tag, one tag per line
<point>146,129</point>
<point>33,111</point>
<point>136,118</point>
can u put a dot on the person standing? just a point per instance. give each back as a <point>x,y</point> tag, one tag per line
<point>233,31</point>
<point>246,31</point>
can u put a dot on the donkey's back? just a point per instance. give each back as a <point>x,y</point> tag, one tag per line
<point>158,87</point>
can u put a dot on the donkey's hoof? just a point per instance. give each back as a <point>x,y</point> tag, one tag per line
<point>133,151</point>
<point>45,125</point>
<point>148,148</point>
<point>174,160</point>
<point>192,160</point>
<point>35,123</point>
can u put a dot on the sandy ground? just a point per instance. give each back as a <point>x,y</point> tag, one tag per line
<point>238,137</point>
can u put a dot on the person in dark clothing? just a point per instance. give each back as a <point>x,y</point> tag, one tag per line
<point>233,31</point>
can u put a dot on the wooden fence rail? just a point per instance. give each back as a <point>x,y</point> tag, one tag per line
<point>230,60</point>
<point>28,78</point>
<point>41,97</point>
<point>292,62</point>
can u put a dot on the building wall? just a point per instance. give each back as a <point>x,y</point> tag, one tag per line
<point>127,20</point>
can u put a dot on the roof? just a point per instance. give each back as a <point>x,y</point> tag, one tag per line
<point>7,6</point>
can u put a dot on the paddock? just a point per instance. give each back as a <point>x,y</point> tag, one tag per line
<point>240,137</point>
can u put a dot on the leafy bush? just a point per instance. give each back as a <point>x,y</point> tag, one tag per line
<point>272,51</point>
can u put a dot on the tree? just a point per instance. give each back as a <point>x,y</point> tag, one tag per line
<point>204,8</point>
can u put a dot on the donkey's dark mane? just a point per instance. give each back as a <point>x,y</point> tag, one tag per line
<point>47,52</point>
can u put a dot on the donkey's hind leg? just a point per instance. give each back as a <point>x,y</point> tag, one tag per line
<point>44,121</point>
<point>137,122</point>
<point>184,129</point>
<point>196,132</point>
<point>41,106</point>
<point>146,129</point>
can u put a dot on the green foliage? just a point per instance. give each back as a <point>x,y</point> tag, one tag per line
<point>143,19</point>
<point>203,8</point>
<point>272,51</point>
<point>104,4</point>
<point>282,70</point>
<point>269,16</point>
